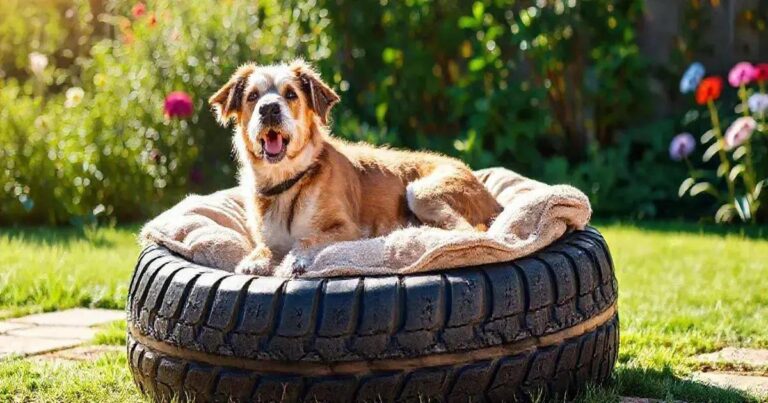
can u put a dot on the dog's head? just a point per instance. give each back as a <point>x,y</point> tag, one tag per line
<point>277,108</point>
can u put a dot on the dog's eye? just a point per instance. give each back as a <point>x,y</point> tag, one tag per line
<point>253,96</point>
<point>290,94</point>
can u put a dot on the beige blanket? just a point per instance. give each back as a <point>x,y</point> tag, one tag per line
<point>210,230</point>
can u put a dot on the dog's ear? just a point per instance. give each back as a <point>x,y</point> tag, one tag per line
<point>227,102</point>
<point>321,97</point>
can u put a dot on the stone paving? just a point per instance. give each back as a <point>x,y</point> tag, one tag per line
<point>756,385</point>
<point>54,331</point>
<point>744,356</point>
<point>81,353</point>
<point>742,369</point>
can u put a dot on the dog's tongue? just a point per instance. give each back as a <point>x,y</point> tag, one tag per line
<point>273,143</point>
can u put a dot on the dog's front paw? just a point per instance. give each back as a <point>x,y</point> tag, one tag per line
<point>299,262</point>
<point>255,265</point>
<point>300,265</point>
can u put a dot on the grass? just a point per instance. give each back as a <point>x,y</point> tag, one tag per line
<point>684,290</point>
<point>47,269</point>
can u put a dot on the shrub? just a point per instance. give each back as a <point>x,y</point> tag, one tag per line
<point>493,82</point>
<point>490,81</point>
<point>113,153</point>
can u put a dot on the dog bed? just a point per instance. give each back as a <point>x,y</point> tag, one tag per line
<point>525,309</point>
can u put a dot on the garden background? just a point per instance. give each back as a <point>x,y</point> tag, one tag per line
<point>583,92</point>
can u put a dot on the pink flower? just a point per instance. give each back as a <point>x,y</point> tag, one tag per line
<point>681,146</point>
<point>741,74</point>
<point>138,10</point>
<point>178,104</point>
<point>739,131</point>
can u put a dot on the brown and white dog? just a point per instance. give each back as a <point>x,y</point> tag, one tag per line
<point>306,189</point>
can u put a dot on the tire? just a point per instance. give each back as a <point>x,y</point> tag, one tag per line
<point>543,325</point>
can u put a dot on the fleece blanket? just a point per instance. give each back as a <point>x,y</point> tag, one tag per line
<point>211,231</point>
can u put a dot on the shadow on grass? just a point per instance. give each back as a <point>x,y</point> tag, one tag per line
<point>742,230</point>
<point>63,236</point>
<point>665,385</point>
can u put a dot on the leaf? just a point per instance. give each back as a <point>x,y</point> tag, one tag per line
<point>703,187</point>
<point>707,136</point>
<point>724,213</point>
<point>389,55</point>
<point>735,172</point>
<point>711,151</point>
<point>476,64</point>
<point>685,186</point>
<point>742,209</point>
<point>739,153</point>
<point>467,22</point>
<point>758,189</point>
<point>477,10</point>
<point>381,112</point>
<point>722,170</point>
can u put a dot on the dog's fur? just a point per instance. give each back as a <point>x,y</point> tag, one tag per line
<point>317,189</point>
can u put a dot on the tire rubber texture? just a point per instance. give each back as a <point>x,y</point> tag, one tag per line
<point>514,331</point>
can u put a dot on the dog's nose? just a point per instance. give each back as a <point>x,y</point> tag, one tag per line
<point>271,110</point>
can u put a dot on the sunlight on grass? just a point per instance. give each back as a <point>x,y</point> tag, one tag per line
<point>106,379</point>
<point>681,293</point>
<point>111,334</point>
<point>47,269</point>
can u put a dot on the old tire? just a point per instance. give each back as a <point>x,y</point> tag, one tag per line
<point>544,324</point>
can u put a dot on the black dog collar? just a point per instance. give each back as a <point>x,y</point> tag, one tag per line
<point>287,184</point>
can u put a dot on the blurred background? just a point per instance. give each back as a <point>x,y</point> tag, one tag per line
<point>582,92</point>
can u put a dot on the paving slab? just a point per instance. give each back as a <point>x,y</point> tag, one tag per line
<point>749,356</point>
<point>72,317</point>
<point>747,383</point>
<point>82,353</point>
<point>24,346</point>
<point>8,326</point>
<point>55,332</point>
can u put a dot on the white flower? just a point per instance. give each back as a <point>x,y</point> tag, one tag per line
<point>74,96</point>
<point>740,131</point>
<point>38,62</point>
<point>758,103</point>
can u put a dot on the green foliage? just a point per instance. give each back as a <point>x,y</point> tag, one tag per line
<point>632,179</point>
<point>497,82</point>
<point>113,153</point>
<point>490,81</point>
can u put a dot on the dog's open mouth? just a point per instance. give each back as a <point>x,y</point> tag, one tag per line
<point>274,145</point>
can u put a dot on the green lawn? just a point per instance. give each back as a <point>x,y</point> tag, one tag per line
<point>682,292</point>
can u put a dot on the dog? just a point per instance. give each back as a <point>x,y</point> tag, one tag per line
<point>306,189</point>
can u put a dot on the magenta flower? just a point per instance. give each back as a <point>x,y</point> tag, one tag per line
<point>681,146</point>
<point>740,131</point>
<point>741,74</point>
<point>178,104</point>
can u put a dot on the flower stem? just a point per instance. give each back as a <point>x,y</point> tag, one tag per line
<point>749,169</point>
<point>723,155</point>
<point>743,96</point>
<point>691,171</point>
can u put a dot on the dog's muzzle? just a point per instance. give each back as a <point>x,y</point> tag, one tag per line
<point>270,114</point>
